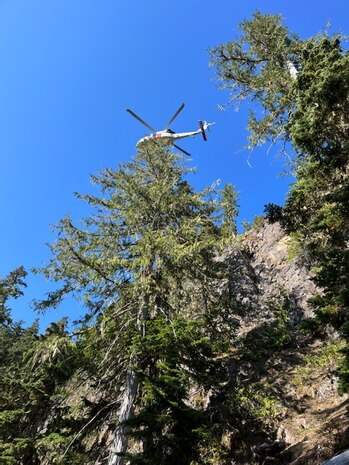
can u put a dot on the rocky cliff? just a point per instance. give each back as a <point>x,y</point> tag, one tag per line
<point>286,379</point>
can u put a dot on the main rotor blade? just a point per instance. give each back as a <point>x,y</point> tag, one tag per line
<point>185,152</point>
<point>140,119</point>
<point>175,115</point>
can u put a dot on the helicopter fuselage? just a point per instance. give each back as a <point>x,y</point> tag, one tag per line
<point>168,135</point>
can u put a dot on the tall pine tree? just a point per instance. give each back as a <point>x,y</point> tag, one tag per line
<point>144,267</point>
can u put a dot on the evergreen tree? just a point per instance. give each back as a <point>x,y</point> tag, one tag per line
<point>10,287</point>
<point>316,209</point>
<point>32,367</point>
<point>144,266</point>
<point>254,68</point>
<point>230,210</point>
<point>310,109</point>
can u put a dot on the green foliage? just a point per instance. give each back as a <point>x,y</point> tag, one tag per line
<point>326,356</point>
<point>317,206</point>
<point>10,287</point>
<point>258,222</point>
<point>254,68</point>
<point>319,124</point>
<point>247,225</point>
<point>255,402</point>
<point>230,209</point>
<point>19,449</point>
<point>271,336</point>
<point>294,246</point>
<point>170,427</point>
<point>319,361</point>
<point>310,110</point>
<point>33,368</point>
<point>173,356</point>
<point>273,213</point>
<point>53,447</point>
<point>149,225</point>
<point>144,267</point>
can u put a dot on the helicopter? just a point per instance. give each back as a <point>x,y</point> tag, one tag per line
<point>168,135</point>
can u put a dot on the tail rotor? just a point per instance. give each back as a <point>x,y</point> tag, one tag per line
<point>204,125</point>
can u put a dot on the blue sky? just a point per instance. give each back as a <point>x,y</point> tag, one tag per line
<point>69,69</point>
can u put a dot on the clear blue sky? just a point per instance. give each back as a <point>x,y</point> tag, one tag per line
<point>69,69</point>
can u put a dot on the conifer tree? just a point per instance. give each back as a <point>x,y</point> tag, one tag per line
<point>310,109</point>
<point>230,210</point>
<point>32,366</point>
<point>10,287</point>
<point>254,69</point>
<point>144,266</point>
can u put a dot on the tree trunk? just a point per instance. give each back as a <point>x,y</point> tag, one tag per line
<point>120,442</point>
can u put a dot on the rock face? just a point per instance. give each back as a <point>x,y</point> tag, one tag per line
<point>268,249</point>
<point>263,272</point>
<point>272,285</point>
